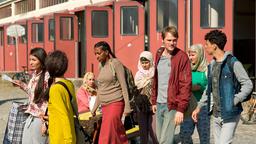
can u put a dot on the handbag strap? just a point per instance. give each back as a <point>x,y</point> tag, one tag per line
<point>70,96</point>
<point>87,137</point>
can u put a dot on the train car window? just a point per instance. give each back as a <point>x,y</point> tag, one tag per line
<point>167,14</point>
<point>129,20</point>
<point>51,29</point>
<point>66,28</point>
<point>212,13</point>
<point>11,40</point>
<point>1,37</point>
<point>37,32</point>
<point>23,39</point>
<point>99,23</point>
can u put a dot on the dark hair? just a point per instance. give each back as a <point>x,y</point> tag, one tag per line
<point>40,54</point>
<point>105,47</point>
<point>144,59</point>
<point>216,37</point>
<point>56,64</point>
<point>170,29</point>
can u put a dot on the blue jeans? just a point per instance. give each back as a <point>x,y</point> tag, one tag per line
<point>224,130</point>
<point>203,128</point>
<point>165,126</point>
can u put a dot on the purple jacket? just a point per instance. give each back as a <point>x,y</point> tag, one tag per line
<point>180,82</point>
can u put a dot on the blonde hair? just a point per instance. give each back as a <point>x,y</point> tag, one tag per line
<point>88,88</point>
<point>201,64</point>
<point>87,76</point>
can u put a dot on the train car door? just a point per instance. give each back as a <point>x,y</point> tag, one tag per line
<point>212,14</point>
<point>99,27</point>
<point>1,49</point>
<point>166,13</point>
<point>129,32</point>
<point>49,33</point>
<point>9,51</point>
<point>66,39</point>
<point>35,34</point>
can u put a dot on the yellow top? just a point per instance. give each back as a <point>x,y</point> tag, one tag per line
<point>61,116</point>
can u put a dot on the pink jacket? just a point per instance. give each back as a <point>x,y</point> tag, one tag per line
<point>82,100</point>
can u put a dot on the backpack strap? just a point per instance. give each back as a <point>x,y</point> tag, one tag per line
<point>112,67</point>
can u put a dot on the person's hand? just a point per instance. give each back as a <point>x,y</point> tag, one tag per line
<point>126,114</point>
<point>154,108</point>
<point>179,116</point>
<point>16,83</point>
<point>46,118</point>
<point>93,114</point>
<point>43,117</point>
<point>195,114</point>
<point>196,87</point>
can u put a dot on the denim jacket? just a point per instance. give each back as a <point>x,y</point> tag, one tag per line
<point>230,94</point>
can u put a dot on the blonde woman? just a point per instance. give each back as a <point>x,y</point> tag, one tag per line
<point>199,81</point>
<point>86,94</point>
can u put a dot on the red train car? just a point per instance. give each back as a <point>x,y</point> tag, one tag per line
<point>129,27</point>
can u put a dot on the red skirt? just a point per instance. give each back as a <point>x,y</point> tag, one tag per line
<point>112,130</point>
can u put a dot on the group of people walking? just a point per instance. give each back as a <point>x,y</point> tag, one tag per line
<point>166,86</point>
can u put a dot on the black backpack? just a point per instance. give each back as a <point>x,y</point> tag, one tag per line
<point>131,87</point>
<point>230,64</point>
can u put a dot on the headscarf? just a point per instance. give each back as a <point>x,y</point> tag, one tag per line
<point>91,90</point>
<point>143,77</point>
<point>201,64</point>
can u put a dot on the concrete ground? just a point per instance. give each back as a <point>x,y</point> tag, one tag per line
<point>245,134</point>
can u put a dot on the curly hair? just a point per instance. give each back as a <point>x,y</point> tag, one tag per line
<point>217,37</point>
<point>56,63</point>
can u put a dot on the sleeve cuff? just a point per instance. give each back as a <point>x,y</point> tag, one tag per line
<point>236,100</point>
